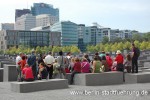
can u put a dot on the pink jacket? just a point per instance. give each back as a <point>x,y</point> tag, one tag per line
<point>85,67</point>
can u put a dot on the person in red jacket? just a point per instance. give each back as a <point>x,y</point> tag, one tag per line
<point>76,69</point>
<point>85,66</point>
<point>27,73</point>
<point>119,58</point>
<point>109,61</point>
<point>22,62</point>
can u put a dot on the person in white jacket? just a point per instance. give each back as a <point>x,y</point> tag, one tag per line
<point>18,58</point>
<point>49,60</point>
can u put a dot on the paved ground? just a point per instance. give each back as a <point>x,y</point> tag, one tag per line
<point>113,92</point>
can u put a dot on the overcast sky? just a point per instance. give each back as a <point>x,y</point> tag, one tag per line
<point>116,14</point>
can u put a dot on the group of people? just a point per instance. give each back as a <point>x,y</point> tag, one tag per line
<point>46,66</point>
<point>26,67</point>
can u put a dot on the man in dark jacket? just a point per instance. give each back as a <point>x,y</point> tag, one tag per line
<point>32,63</point>
<point>134,59</point>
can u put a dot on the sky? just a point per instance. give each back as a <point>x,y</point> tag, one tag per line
<point>115,14</point>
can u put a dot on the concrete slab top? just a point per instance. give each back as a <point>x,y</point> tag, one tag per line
<point>146,69</point>
<point>144,73</point>
<point>39,81</point>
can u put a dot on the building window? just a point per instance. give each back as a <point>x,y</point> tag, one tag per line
<point>1,42</point>
<point>27,33</point>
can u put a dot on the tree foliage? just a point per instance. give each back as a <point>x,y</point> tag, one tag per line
<point>105,40</point>
<point>112,47</point>
<point>43,50</point>
<point>137,37</point>
<point>74,49</point>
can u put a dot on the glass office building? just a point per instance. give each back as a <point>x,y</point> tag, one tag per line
<point>7,26</point>
<point>11,38</point>
<point>69,32</point>
<point>96,35</point>
<point>33,38</point>
<point>43,8</point>
<point>81,34</point>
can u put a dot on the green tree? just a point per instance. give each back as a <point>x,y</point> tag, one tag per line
<point>146,36</point>
<point>74,49</point>
<point>66,48</point>
<point>143,45</point>
<point>12,50</point>
<point>114,47</point>
<point>105,40</point>
<point>127,40</point>
<point>97,48</point>
<point>49,48</point>
<point>127,46</point>
<point>56,49</point>
<point>38,50</point>
<point>120,46</point>
<point>1,52</point>
<point>28,50</point>
<point>23,49</point>
<point>46,49</point>
<point>148,47</point>
<point>107,47</point>
<point>91,48</point>
<point>102,47</point>
<point>137,43</point>
<point>117,39</point>
<point>7,51</point>
<point>137,37</point>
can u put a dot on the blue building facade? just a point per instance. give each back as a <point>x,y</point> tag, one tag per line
<point>43,8</point>
<point>81,34</point>
<point>69,32</point>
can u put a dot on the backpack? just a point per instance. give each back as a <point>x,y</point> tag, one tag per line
<point>137,50</point>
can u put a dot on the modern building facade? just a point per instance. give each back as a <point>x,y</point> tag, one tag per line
<point>69,33</point>
<point>124,34</point>
<point>54,39</point>
<point>7,26</point>
<point>92,35</point>
<point>127,34</point>
<point>113,34</point>
<point>87,35</point>
<point>96,35</point>
<point>20,12</point>
<point>108,33</point>
<point>11,38</point>
<point>3,40</point>
<point>81,33</point>
<point>43,8</point>
<point>25,22</point>
<point>45,19</point>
